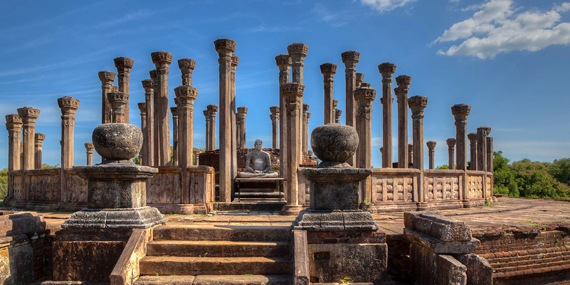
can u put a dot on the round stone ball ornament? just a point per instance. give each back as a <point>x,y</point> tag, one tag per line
<point>117,141</point>
<point>334,144</point>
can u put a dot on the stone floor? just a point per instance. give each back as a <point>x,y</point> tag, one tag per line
<point>520,212</point>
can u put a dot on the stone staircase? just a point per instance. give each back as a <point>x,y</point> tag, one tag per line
<point>255,194</point>
<point>218,255</point>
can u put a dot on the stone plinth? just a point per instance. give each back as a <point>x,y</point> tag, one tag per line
<point>387,70</point>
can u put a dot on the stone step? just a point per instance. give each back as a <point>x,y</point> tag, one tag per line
<point>221,233</point>
<point>258,200</point>
<point>262,205</point>
<point>253,189</point>
<point>219,248</point>
<point>216,280</point>
<point>169,265</point>
<point>259,195</point>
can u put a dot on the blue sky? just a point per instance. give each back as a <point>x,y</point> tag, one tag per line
<point>508,59</point>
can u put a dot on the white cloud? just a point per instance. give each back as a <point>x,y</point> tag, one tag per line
<point>386,5</point>
<point>499,27</point>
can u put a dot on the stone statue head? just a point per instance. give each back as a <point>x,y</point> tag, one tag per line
<point>258,144</point>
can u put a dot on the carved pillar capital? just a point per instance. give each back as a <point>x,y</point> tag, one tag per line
<point>107,78</point>
<point>68,105</point>
<point>186,95</point>
<point>142,108</point>
<point>417,105</point>
<point>28,114</point>
<point>328,68</point>
<point>13,123</point>
<point>186,66</point>
<point>174,111</point>
<point>364,97</point>
<point>293,92</point>
<point>387,70</point>
<point>118,101</point>
<point>40,139</point>
<point>350,58</point>
<point>472,138</point>
<point>450,143</point>
<point>337,114</point>
<point>335,103</point>
<point>431,145</point>
<point>484,130</point>
<point>299,50</point>
<point>124,65</point>
<point>162,61</point>
<point>460,112</point>
<point>359,79</point>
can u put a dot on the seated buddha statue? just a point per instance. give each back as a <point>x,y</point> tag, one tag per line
<point>258,163</point>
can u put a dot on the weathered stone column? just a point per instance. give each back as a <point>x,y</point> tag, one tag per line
<point>234,119</point>
<point>225,49</point>
<point>162,60</point>
<point>154,79</point>
<point>175,146</point>
<point>364,98</point>
<point>482,133</point>
<point>337,114</point>
<point>149,132</point>
<point>410,154</point>
<point>401,92</point>
<point>460,112</point>
<point>298,52</point>
<point>186,66</point>
<point>359,79</point>
<point>186,95</point>
<point>328,70</point>
<point>39,149</point>
<point>143,155</point>
<point>241,115</point>
<point>197,157</point>
<point>22,154</point>
<point>350,59</point>
<point>293,93</point>
<point>490,163</point>
<point>107,78</point>
<point>417,105</point>
<point>387,70</point>
<point>213,112</point>
<point>284,63</point>
<point>473,150</point>
<point>89,148</point>
<point>274,125</point>
<point>451,152</point>
<point>431,154</point>
<point>68,106</point>
<point>124,66</point>
<point>14,127</point>
<point>207,120</point>
<point>118,102</point>
<point>305,144</point>
<point>335,103</point>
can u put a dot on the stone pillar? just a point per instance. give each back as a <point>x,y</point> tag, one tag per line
<point>22,154</point>
<point>241,115</point>
<point>328,70</point>
<point>118,102</point>
<point>68,106</point>
<point>175,146</point>
<point>275,125</point>
<point>39,149</point>
<point>149,132</point>
<point>431,154</point>
<point>210,113</point>
<point>337,114</point>
<point>364,98</point>
<point>473,150</point>
<point>89,147</point>
<point>350,59</point>
<point>460,112</point>
<point>490,165</point>
<point>143,155</point>
<point>417,105</point>
<point>298,52</point>
<point>359,79</point>
<point>14,127</point>
<point>153,77</point>
<point>186,95</point>
<point>225,49</point>
<point>124,66</point>
<point>410,154</point>
<point>401,92</point>
<point>107,78</point>
<point>482,134</point>
<point>293,92</point>
<point>196,157</point>
<point>162,60</point>
<point>387,70</point>
<point>305,143</point>
<point>207,120</point>
<point>234,127</point>
<point>186,66</point>
<point>451,152</point>
<point>284,63</point>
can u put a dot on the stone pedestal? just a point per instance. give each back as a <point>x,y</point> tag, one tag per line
<point>149,133</point>
<point>417,105</point>
<point>401,92</point>
<point>284,63</point>
<point>431,153</point>
<point>240,126</point>
<point>161,60</point>
<point>39,150</point>
<point>107,78</point>
<point>328,70</point>
<point>387,70</point>
<point>124,66</point>
<point>451,152</point>
<point>473,150</point>
<point>89,148</point>
<point>274,126</point>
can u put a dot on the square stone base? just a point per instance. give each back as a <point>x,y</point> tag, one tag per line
<point>347,220</point>
<point>122,218</point>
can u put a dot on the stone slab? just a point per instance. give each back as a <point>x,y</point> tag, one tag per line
<point>357,220</point>
<point>16,261</point>
<point>85,260</point>
<point>479,271</point>
<point>437,225</point>
<point>144,217</point>
<point>438,246</point>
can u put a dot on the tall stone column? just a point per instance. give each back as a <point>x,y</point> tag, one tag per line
<point>293,92</point>
<point>89,148</point>
<point>482,133</point>
<point>175,145</point>
<point>284,63</point>
<point>387,70</point>
<point>207,120</point>
<point>162,60</point>
<point>118,102</point>
<point>212,112</point>
<point>197,157</point>
<point>410,154</point>
<point>401,92</point>
<point>328,70</point>
<point>149,133</point>
<point>451,152</point>
<point>14,128</point>
<point>337,114</point>
<point>364,98</point>
<point>350,59</point>
<point>417,105</point>
<point>473,150</point>
<point>68,106</point>
<point>143,155</point>
<point>154,79</point>
<point>186,66</point>
<point>431,154</point>
<point>22,154</point>
<point>124,66</point>
<point>298,52</point>
<point>305,143</point>
<point>234,119</point>
<point>225,49</point>
<point>490,163</point>
<point>39,150</point>
<point>186,95</point>
<point>241,116</point>
<point>107,78</point>
<point>274,125</point>
<point>460,112</point>
<point>359,79</point>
